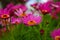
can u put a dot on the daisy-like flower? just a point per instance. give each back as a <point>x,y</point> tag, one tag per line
<point>45,8</point>
<point>15,20</point>
<point>56,10</point>
<point>55,34</point>
<point>17,7</point>
<point>23,7</point>
<point>4,14</point>
<point>20,13</point>
<point>32,19</point>
<point>9,6</point>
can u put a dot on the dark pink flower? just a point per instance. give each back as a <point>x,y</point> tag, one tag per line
<point>55,34</point>
<point>15,20</point>
<point>32,19</point>
<point>35,5</point>
<point>20,13</point>
<point>41,31</point>
<point>4,14</point>
<point>56,9</point>
<point>9,6</point>
<point>23,7</point>
<point>45,8</point>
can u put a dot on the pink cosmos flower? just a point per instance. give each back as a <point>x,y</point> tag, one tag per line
<point>20,13</point>
<point>33,19</point>
<point>15,20</point>
<point>9,6</point>
<point>56,10</point>
<point>23,7</point>
<point>17,7</point>
<point>4,14</point>
<point>55,34</point>
<point>45,8</point>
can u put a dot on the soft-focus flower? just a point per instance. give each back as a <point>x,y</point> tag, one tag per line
<point>45,8</point>
<point>32,19</point>
<point>41,31</point>
<point>15,20</point>
<point>55,34</point>
<point>9,6</point>
<point>17,7</point>
<point>4,14</point>
<point>35,5</point>
<point>56,10</point>
<point>20,13</point>
<point>23,7</point>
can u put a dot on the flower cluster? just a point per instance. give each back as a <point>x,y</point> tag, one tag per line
<point>17,14</point>
<point>20,14</point>
<point>49,7</point>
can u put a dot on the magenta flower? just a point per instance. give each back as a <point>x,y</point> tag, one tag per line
<point>20,13</point>
<point>23,7</point>
<point>35,5</point>
<point>15,20</point>
<point>9,6</point>
<point>56,10</point>
<point>33,19</point>
<point>45,8</point>
<point>55,34</point>
<point>4,14</point>
<point>17,7</point>
<point>42,31</point>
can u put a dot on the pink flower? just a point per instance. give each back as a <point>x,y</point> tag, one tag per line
<point>42,31</point>
<point>56,10</point>
<point>4,14</point>
<point>55,34</point>
<point>35,5</point>
<point>33,19</point>
<point>15,20</point>
<point>17,7</point>
<point>23,7</point>
<point>20,13</point>
<point>45,8</point>
<point>9,6</point>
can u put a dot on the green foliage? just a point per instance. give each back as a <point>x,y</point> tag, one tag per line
<point>22,32</point>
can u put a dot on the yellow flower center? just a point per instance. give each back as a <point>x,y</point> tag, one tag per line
<point>31,22</point>
<point>57,38</point>
<point>5,16</point>
<point>23,14</point>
